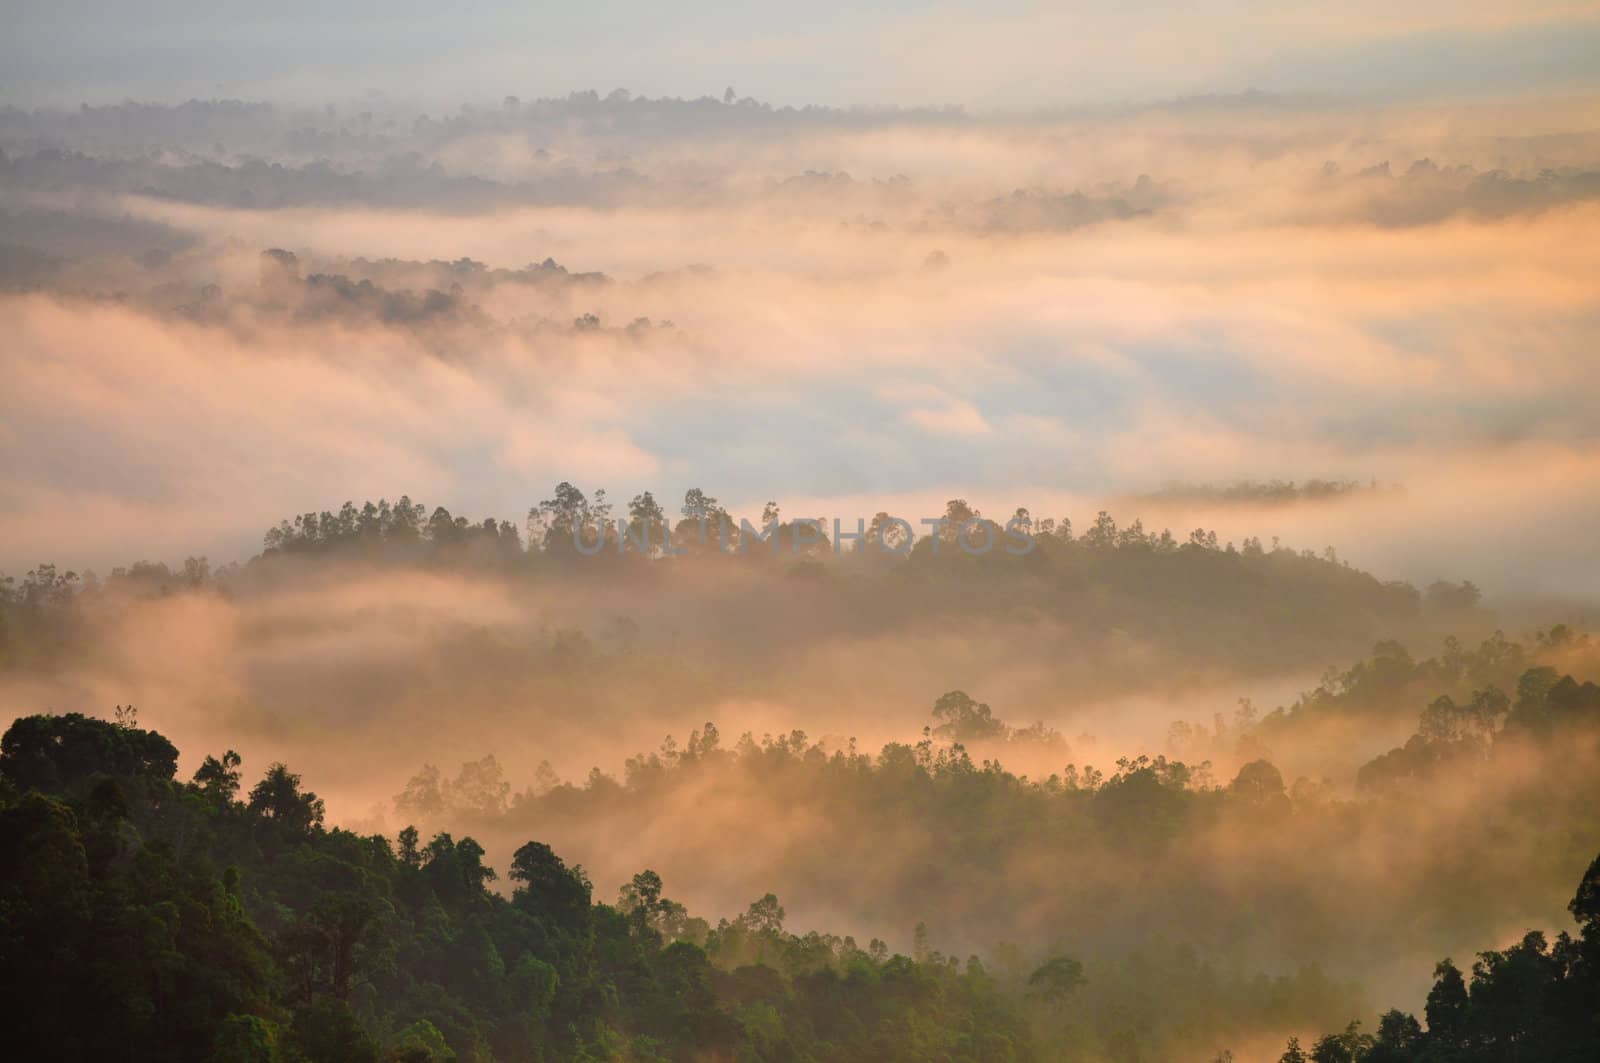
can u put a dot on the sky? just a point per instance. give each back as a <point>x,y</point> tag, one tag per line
<point>993,55</point>
<point>1378,265</point>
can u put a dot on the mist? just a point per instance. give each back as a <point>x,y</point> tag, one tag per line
<point>325,428</point>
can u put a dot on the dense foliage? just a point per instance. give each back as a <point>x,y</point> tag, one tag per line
<point>1220,860</point>
<point>1239,885</point>
<point>1248,606</point>
<point>193,924</point>
<point>195,921</point>
<point>1534,1001</point>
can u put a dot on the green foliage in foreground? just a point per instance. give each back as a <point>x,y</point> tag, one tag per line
<point>1531,1002</point>
<point>141,918</point>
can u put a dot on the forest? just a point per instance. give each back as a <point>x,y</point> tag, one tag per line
<point>736,533</point>
<point>203,920</point>
<point>964,889</point>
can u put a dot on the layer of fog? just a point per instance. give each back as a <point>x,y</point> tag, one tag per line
<point>1054,312</point>
<point>315,665</point>
<point>841,313</point>
<point>357,677</point>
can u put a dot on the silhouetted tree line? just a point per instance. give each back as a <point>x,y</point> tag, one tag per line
<point>1392,677</point>
<point>146,918</point>
<point>206,920</point>
<point>403,530</point>
<point>1471,735</point>
<point>1535,1002</point>
<point>1250,605</point>
<point>1068,843</point>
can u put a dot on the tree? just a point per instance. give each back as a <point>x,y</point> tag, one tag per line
<point>1447,1008</point>
<point>1057,978</point>
<point>546,886</point>
<point>643,893</point>
<point>410,855</point>
<point>1103,535</point>
<point>245,1039</point>
<point>647,521</point>
<point>1258,783</point>
<point>338,941</point>
<point>705,523</point>
<point>697,505</point>
<point>219,779</point>
<point>1585,903</point>
<point>1399,1039</point>
<point>1351,1046</point>
<point>474,872</point>
<point>277,798</point>
<point>957,514</point>
<point>1532,1001</point>
<point>965,719</point>
<point>423,795</point>
<point>116,909</point>
<point>327,1029</point>
<point>456,870</point>
<point>72,751</point>
<point>764,916</point>
<point>480,788</point>
<point>555,522</point>
<point>885,536</point>
<point>421,1042</point>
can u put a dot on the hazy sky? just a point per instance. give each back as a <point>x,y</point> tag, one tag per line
<point>1058,309</point>
<point>1001,53</point>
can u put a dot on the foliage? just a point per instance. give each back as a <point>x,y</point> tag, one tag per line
<point>192,925</point>
<point>1532,1001</point>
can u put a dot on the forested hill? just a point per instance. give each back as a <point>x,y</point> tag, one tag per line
<point>148,919</point>
<point>1537,1000</point>
<point>1258,864</point>
<point>142,918</point>
<point>1112,591</point>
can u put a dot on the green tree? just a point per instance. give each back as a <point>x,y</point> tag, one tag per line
<point>278,799</point>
